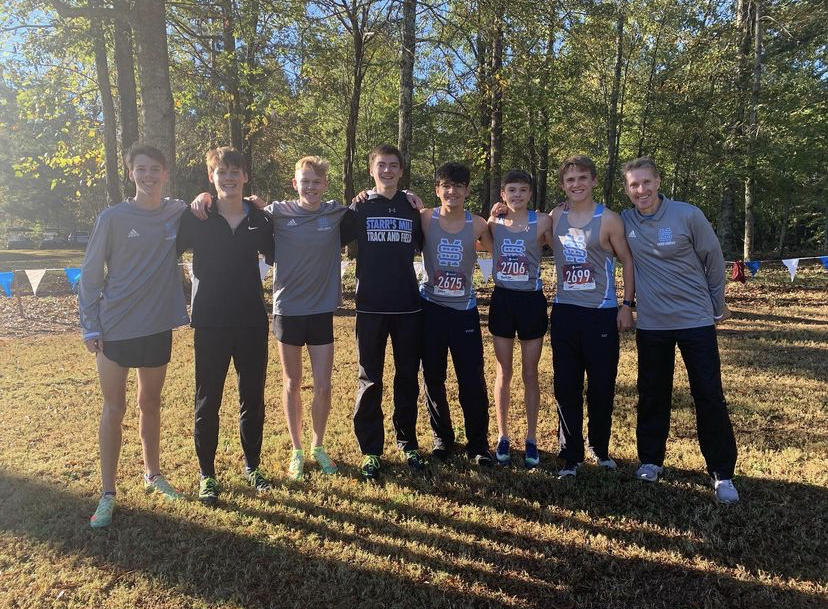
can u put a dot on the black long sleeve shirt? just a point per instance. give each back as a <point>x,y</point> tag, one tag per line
<point>226,264</point>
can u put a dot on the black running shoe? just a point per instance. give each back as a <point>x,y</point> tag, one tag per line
<point>483,459</point>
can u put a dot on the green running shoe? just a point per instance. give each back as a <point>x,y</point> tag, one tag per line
<point>296,468</point>
<point>371,468</point>
<point>208,491</point>
<point>257,480</point>
<point>326,464</point>
<point>415,460</point>
<point>159,483</point>
<point>103,515</point>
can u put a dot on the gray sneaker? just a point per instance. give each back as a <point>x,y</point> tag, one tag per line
<point>569,470</point>
<point>649,472</point>
<point>725,491</point>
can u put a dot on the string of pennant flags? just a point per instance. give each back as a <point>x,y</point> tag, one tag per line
<point>72,274</point>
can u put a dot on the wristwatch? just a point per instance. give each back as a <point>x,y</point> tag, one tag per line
<point>629,303</point>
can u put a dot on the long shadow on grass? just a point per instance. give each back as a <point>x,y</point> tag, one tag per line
<point>521,565</point>
<point>779,528</point>
<point>253,570</point>
<point>213,564</point>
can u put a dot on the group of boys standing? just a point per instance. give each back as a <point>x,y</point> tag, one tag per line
<point>130,298</point>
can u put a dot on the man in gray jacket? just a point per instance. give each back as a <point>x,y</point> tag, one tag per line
<point>679,284</point>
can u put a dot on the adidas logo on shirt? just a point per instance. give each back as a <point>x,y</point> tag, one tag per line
<point>292,222</point>
<point>632,234</point>
<point>133,233</point>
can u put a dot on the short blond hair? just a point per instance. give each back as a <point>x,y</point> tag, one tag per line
<point>317,163</point>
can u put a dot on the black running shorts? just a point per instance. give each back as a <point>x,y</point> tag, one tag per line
<point>515,311</point>
<point>299,330</point>
<point>142,352</point>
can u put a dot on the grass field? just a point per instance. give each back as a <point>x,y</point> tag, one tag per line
<point>460,537</point>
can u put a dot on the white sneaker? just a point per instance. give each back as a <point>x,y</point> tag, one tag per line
<point>725,491</point>
<point>569,471</point>
<point>607,463</point>
<point>649,472</point>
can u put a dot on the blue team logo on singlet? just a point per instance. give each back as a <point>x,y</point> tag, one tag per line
<point>170,231</point>
<point>574,245</point>
<point>449,253</point>
<point>513,247</point>
<point>323,223</point>
<point>665,236</point>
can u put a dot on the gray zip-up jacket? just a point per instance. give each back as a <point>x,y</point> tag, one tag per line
<point>130,284</point>
<point>679,267</point>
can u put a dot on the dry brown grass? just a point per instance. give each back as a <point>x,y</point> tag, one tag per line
<point>459,538</point>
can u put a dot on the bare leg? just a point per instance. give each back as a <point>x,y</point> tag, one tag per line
<point>321,357</point>
<point>504,348</point>
<point>291,358</point>
<point>150,384</point>
<point>530,351</point>
<point>113,387</point>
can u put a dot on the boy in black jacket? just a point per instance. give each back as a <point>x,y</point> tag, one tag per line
<point>229,315</point>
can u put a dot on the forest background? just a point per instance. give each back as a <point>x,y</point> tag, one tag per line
<point>729,96</point>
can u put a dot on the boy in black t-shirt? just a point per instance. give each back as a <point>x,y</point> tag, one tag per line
<point>388,234</point>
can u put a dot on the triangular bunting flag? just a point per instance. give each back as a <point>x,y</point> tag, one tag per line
<point>72,274</point>
<point>792,264</point>
<point>824,261</point>
<point>485,265</point>
<point>418,269</point>
<point>6,282</point>
<point>753,265</point>
<point>193,281</point>
<point>343,266</point>
<point>35,277</point>
<point>264,267</point>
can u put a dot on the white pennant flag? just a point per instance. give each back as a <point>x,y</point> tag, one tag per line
<point>35,277</point>
<point>792,264</point>
<point>264,267</point>
<point>418,269</point>
<point>194,281</point>
<point>485,265</point>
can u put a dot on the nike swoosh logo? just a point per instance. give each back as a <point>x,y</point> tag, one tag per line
<point>252,228</point>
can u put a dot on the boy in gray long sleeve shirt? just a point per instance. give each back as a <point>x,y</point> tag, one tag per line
<point>130,298</point>
<point>679,283</point>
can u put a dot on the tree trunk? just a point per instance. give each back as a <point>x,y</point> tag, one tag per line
<point>496,138</point>
<point>150,28</point>
<point>532,153</point>
<point>353,114</point>
<point>251,25</point>
<point>753,130</point>
<point>724,221</point>
<point>230,69</point>
<point>543,146</point>
<point>483,88</point>
<point>612,119</point>
<point>407,54</point>
<point>783,229</point>
<point>125,75</point>
<point>645,114</point>
<point>113,187</point>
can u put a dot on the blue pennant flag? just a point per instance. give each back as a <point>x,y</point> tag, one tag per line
<point>824,261</point>
<point>6,282</point>
<point>753,265</point>
<point>72,274</point>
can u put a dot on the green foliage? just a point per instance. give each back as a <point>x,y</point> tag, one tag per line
<point>680,98</point>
